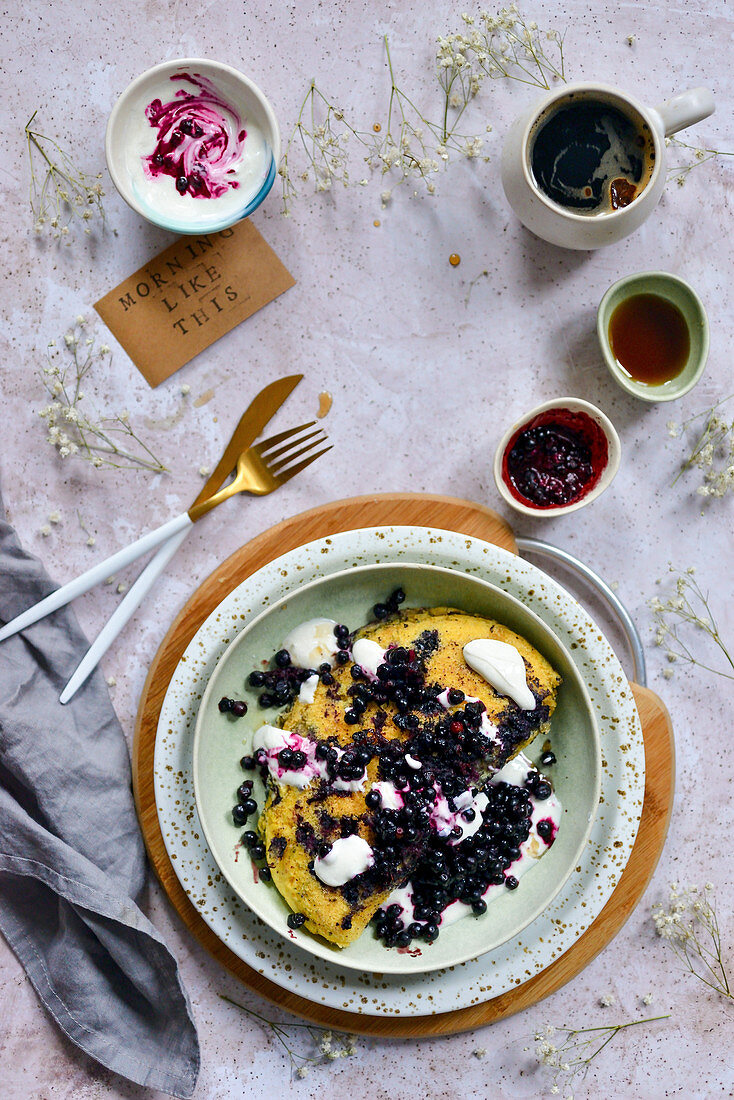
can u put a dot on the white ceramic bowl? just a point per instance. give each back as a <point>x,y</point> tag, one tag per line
<point>572,405</point>
<point>348,596</point>
<point>127,140</point>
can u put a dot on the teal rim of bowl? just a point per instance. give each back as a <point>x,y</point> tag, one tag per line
<point>673,289</point>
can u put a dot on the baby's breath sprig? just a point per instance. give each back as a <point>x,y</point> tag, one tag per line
<point>413,147</point>
<point>326,1046</point>
<point>688,922</point>
<point>59,191</point>
<point>74,431</point>
<point>696,154</point>
<point>688,607</point>
<point>505,45</point>
<point>569,1051</point>
<point>409,145</point>
<point>713,451</point>
<point>322,132</point>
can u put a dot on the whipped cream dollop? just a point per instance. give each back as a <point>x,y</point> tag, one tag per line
<point>444,820</point>
<point>368,655</point>
<point>312,643</point>
<point>502,666</point>
<point>189,154</point>
<point>349,856</point>
<point>307,691</point>
<point>271,741</point>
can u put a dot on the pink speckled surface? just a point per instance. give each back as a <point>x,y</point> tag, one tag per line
<point>424,383</point>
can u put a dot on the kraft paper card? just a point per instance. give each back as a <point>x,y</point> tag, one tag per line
<point>190,295</point>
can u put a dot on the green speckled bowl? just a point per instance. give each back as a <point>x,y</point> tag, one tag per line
<point>348,596</point>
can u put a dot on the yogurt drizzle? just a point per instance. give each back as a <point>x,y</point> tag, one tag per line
<point>502,666</point>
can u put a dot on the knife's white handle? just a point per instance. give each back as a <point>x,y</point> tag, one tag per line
<point>124,611</point>
<point>97,574</point>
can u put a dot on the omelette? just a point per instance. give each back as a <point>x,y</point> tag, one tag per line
<point>384,751</point>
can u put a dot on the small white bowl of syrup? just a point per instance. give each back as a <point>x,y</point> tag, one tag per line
<point>654,335</point>
<point>557,458</point>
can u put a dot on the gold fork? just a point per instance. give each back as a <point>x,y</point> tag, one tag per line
<point>262,469</point>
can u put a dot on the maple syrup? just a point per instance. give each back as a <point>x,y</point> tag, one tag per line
<point>649,338</point>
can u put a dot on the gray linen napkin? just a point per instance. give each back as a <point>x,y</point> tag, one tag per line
<point>71,853</point>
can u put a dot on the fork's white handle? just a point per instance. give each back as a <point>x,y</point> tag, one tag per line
<point>124,611</point>
<point>96,574</point>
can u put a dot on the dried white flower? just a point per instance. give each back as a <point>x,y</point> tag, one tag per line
<point>45,530</point>
<point>73,429</point>
<point>54,517</point>
<point>185,390</point>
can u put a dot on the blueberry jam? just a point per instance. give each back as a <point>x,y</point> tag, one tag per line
<point>445,828</point>
<point>555,459</point>
<point>200,139</point>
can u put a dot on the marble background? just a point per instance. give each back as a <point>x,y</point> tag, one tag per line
<point>427,365</point>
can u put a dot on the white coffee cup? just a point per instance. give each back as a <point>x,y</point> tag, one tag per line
<point>563,226</point>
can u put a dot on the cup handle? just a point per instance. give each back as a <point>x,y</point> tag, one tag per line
<point>685,109</point>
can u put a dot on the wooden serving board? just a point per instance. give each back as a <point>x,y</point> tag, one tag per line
<point>445,513</point>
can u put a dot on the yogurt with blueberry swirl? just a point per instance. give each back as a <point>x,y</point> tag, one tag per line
<point>190,155</point>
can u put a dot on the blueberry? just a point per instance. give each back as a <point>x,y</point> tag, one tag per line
<point>225,705</point>
<point>373,799</point>
<point>296,920</point>
<point>256,679</point>
<point>479,906</point>
<point>265,874</point>
<point>238,708</point>
<point>249,838</point>
<point>244,791</point>
<point>455,696</point>
<point>351,717</point>
<point>249,806</point>
<point>239,814</point>
<point>545,829</point>
<point>511,882</point>
<point>257,851</point>
<point>380,611</point>
<point>542,790</point>
<point>265,700</point>
<point>548,759</point>
<point>247,763</point>
<point>182,184</point>
<point>282,658</point>
<point>342,658</point>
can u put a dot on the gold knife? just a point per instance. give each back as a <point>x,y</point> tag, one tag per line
<point>262,409</point>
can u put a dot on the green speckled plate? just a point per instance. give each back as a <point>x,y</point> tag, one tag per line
<point>575,906</point>
<point>348,597</point>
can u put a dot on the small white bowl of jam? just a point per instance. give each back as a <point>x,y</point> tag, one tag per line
<point>193,145</point>
<point>654,335</point>
<point>557,458</point>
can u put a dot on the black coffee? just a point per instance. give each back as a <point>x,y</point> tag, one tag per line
<point>590,157</point>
